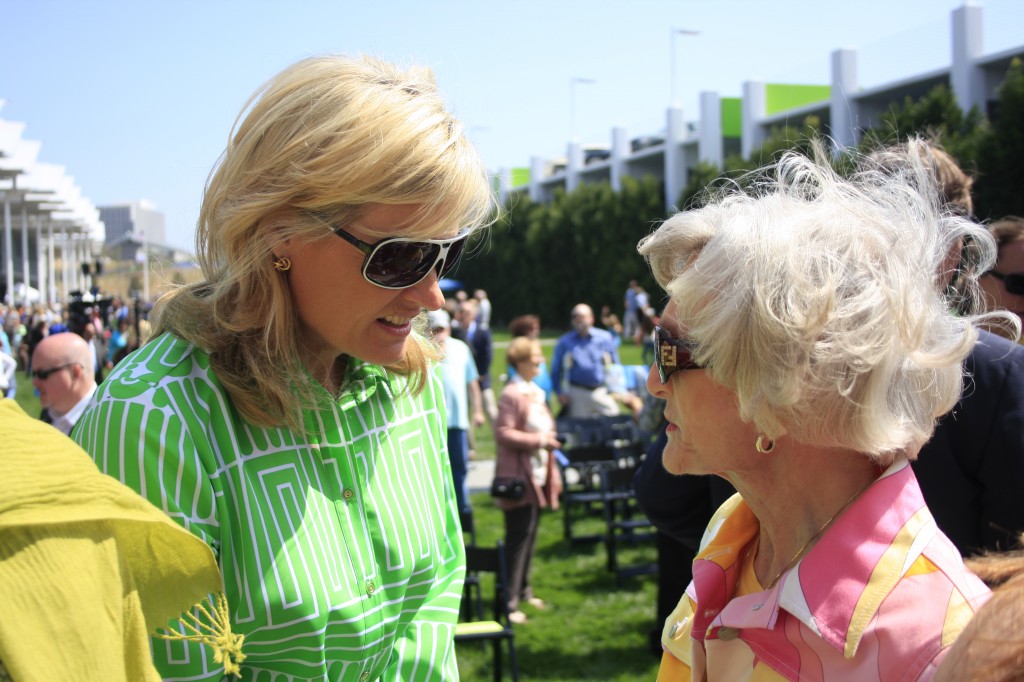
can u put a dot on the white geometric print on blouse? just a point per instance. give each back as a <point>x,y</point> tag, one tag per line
<point>340,549</point>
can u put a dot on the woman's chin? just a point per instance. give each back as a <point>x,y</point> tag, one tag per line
<point>672,458</point>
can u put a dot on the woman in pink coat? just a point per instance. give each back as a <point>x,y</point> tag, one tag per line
<point>525,436</point>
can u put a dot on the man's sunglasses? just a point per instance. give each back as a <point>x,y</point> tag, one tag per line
<point>44,374</point>
<point>1014,282</point>
<point>401,262</point>
<point>672,355</point>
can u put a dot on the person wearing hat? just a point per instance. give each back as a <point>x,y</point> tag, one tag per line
<point>461,396</point>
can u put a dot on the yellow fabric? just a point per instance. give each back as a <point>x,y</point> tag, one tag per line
<point>675,640</point>
<point>87,566</point>
<point>959,613</point>
<point>921,566</point>
<point>888,571</point>
<point>672,669</point>
<point>747,582</point>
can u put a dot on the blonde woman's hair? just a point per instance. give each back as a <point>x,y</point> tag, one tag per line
<point>519,349</point>
<point>819,301</point>
<point>312,147</point>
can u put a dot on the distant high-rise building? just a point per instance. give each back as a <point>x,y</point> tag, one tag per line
<point>131,223</point>
<point>137,217</point>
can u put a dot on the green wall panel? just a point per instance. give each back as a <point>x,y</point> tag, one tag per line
<point>732,117</point>
<point>779,97</point>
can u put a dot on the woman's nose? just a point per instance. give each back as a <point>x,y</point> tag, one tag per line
<point>654,385</point>
<point>427,292</point>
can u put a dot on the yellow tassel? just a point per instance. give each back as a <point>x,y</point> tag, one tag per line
<point>214,632</point>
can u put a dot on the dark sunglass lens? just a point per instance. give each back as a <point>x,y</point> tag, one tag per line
<point>1015,284</point>
<point>398,264</point>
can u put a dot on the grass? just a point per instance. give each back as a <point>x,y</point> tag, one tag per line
<point>593,628</point>
<point>26,395</point>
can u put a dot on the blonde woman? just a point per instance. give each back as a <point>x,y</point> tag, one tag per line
<point>286,409</point>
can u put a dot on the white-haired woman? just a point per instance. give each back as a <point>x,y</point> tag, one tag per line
<point>805,355</point>
<point>286,410</point>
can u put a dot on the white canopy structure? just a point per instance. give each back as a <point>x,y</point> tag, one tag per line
<point>50,230</point>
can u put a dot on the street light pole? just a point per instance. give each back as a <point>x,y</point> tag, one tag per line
<point>572,103</point>
<point>672,36</point>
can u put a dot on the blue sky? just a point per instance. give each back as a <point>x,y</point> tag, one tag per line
<point>136,97</point>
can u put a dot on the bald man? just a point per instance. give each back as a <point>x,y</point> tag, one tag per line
<point>62,372</point>
<point>577,367</point>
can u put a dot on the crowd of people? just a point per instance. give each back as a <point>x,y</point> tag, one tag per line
<point>298,426</point>
<point>65,351</point>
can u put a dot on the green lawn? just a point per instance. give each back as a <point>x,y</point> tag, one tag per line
<point>593,628</point>
<point>26,395</point>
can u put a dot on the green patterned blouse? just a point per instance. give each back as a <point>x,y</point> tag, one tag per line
<point>341,548</point>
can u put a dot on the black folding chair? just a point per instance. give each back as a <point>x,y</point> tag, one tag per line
<point>593,446</point>
<point>476,627</point>
<point>583,483</point>
<point>625,523</point>
<point>471,588</point>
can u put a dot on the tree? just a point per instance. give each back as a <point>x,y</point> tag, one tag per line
<point>937,117</point>
<point>1000,153</point>
<point>581,246</point>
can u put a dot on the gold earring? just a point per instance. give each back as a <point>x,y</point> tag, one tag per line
<point>282,264</point>
<point>761,447</point>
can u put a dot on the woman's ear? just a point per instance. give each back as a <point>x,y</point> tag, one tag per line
<point>272,230</point>
<point>282,249</point>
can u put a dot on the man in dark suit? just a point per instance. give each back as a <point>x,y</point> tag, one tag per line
<point>478,338</point>
<point>96,349</point>
<point>972,470</point>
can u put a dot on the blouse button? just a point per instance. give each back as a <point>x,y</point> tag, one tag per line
<point>348,493</point>
<point>365,676</point>
<point>370,587</point>
<point>677,628</point>
<point>728,634</point>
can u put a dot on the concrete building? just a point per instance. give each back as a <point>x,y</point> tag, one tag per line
<point>845,106</point>
<point>138,220</point>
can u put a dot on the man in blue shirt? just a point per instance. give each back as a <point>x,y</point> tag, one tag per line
<point>578,367</point>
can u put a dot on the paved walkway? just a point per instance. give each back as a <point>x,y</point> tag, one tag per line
<point>543,342</point>
<point>481,472</point>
